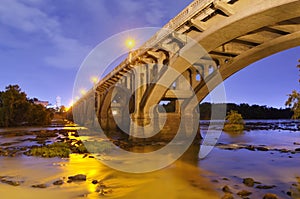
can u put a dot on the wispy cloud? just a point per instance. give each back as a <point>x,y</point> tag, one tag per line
<point>65,32</point>
<point>151,11</point>
<point>24,18</point>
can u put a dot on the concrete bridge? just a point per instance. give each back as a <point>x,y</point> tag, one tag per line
<point>203,45</point>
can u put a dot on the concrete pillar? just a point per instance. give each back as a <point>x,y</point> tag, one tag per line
<point>140,118</point>
<point>193,77</point>
<point>160,57</point>
<point>206,70</point>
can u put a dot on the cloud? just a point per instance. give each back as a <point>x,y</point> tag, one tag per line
<point>156,14</point>
<point>70,53</point>
<point>27,20</point>
<point>151,11</point>
<point>64,33</point>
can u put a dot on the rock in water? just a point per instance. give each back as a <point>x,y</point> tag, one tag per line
<point>228,196</point>
<point>42,186</point>
<point>226,189</point>
<point>270,196</point>
<point>265,186</point>
<point>58,182</point>
<point>95,182</point>
<point>11,182</point>
<point>248,182</point>
<point>244,193</point>
<point>79,177</point>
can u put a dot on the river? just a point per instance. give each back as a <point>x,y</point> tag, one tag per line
<point>189,177</point>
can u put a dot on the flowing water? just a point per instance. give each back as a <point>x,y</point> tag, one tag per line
<point>188,177</point>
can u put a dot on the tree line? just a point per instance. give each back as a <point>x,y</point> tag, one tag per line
<point>247,111</point>
<point>16,109</point>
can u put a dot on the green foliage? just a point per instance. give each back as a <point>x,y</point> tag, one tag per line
<point>234,122</point>
<point>248,111</point>
<point>58,149</point>
<point>294,101</point>
<point>233,117</point>
<point>16,109</point>
<point>98,146</point>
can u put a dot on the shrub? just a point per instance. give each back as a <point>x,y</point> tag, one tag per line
<point>234,122</point>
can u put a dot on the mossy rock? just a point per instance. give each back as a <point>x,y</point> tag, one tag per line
<point>57,149</point>
<point>98,146</point>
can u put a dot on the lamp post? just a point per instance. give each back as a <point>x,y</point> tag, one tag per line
<point>130,43</point>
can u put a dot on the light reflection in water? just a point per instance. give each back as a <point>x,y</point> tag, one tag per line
<point>183,179</point>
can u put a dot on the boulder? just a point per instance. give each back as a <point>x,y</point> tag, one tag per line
<point>270,196</point>
<point>248,182</point>
<point>58,182</point>
<point>265,186</point>
<point>228,196</point>
<point>78,177</point>
<point>42,186</point>
<point>244,193</point>
<point>226,189</point>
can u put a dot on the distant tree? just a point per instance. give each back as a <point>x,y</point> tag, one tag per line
<point>294,100</point>
<point>16,109</point>
<point>234,117</point>
<point>39,115</point>
<point>14,106</point>
<point>234,122</point>
<point>247,111</point>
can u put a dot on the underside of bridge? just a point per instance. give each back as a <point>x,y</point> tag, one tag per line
<point>155,93</point>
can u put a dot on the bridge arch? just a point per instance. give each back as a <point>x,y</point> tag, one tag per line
<point>114,112</point>
<point>231,34</point>
<point>246,59</point>
<point>235,41</point>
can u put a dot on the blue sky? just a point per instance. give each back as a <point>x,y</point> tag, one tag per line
<point>43,43</point>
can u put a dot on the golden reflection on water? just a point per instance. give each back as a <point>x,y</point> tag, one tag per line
<point>182,179</point>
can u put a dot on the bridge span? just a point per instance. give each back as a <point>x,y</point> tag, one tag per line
<point>207,42</point>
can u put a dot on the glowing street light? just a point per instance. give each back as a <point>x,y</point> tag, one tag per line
<point>130,43</point>
<point>70,105</point>
<point>83,92</point>
<point>94,79</point>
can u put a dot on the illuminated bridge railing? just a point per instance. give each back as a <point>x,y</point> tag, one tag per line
<point>197,7</point>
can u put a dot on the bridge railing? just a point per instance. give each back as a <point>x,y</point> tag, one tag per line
<point>191,10</point>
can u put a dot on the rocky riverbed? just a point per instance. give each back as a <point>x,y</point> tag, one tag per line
<point>262,162</point>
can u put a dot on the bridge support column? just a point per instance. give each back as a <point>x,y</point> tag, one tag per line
<point>140,128</point>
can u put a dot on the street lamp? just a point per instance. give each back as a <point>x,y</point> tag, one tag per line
<point>130,43</point>
<point>94,79</point>
<point>83,92</point>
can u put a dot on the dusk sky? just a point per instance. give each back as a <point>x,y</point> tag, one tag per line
<point>43,43</point>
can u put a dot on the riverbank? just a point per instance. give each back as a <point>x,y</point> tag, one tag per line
<point>266,153</point>
<point>267,158</point>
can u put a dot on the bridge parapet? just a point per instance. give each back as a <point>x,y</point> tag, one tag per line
<point>199,8</point>
<point>233,34</point>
